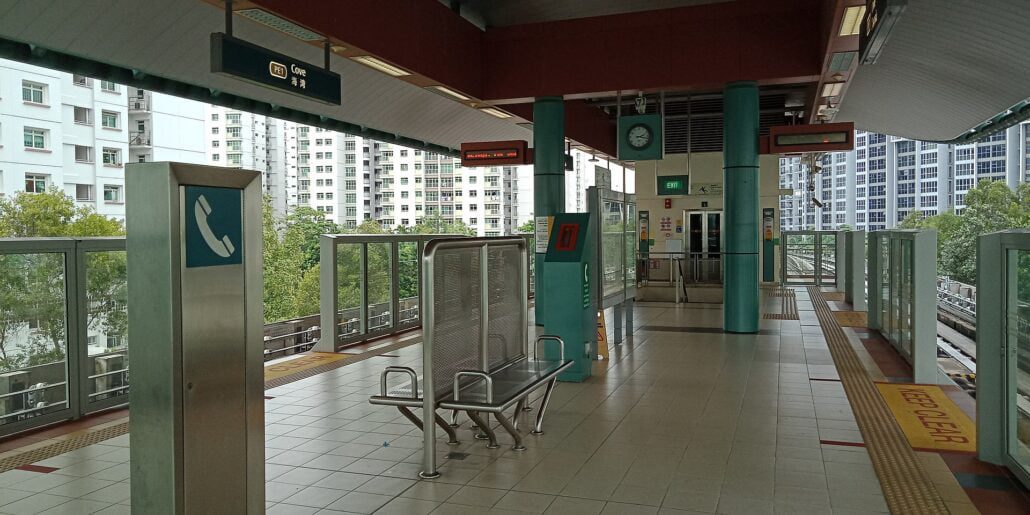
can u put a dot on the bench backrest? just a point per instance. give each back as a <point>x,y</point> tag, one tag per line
<point>475,317</point>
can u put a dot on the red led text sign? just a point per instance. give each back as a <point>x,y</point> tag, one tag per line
<point>494,153</point>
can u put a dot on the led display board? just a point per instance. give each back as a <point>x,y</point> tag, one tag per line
<point>495,153</point>
<point>823,137</point>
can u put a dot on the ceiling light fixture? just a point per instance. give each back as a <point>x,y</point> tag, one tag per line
<point>281,24</point>
<point>851,23</point>
<point>832,89</point>
<point>493,111</point>
<point>450,92</point>
<point>593,158</point>
<point>381,65</point>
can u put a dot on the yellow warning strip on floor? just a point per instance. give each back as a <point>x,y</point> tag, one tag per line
<point>930,420</point>
<point>851,318</point>
<point>299,364</point>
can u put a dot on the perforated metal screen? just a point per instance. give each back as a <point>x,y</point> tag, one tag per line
<point>456,295</point>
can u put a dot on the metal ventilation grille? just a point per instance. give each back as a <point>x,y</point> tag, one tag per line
<point>282,25</point>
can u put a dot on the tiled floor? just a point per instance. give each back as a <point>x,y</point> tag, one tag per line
<point>680,421</point>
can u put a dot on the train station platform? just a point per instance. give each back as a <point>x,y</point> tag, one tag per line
<point>683,418</point>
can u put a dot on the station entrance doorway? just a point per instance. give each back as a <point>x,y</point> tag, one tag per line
<point>703,246</point>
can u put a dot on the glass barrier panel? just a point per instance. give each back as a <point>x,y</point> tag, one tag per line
<point>380,285</point>
<point>611,247</point>
<point>828,263</point>
<point>348,288</point>
<point>106,325</point>
<point>33,336</point>
<point>407,281</point>
<point>1019,337</point>
<point>630,242</point>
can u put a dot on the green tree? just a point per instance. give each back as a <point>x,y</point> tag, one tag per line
<point>528,227</point>
<point>282,267</point>
<point>436,224</point>
<point>32,286</point>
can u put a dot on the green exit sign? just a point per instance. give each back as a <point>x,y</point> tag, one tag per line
<point>673,185</point>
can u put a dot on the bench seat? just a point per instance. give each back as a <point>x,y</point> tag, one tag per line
<point>510,384</point>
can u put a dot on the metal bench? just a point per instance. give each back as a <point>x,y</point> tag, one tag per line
<point>475,343</point>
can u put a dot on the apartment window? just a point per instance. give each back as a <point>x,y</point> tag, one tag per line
<point>112,194</point>
<point>963,154</point>
<point>109,119</point>
<point>84,192</point>
<point>320,182</point>
<point>142,158</point>
<point>112,156</point>
<point>82,80</point>
<point>234,144</point>
<point>328,182</point>
<point>328,155</point>
<point>33,92</point>
<point>329,196</point>
<point>36,183</point>
<point>302,131</point>
<point>106,85</point>
<point>83,154</point>
<point>82,115</point>
<point>216,157</point>
<point>318,155</point>
<point>351,198</point>
<point>929,187</point>
<point>36,138</point>
<point>964,169</point>
<point>929,158</point>
<point>233,118</point>
<point>215,143</point>
<point>352,211</point>
<point>214,130</point>
<point>329,169</point>
<point>233,132</point>
<point>234,159</point>
<point>214,117</point>
<point>928,173</point>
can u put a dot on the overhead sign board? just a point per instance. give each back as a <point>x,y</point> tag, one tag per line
<point>260,65</point>
<point>823,137</point>
<point>706,188</point>
<point>495,153</point>
<point>877,24</point>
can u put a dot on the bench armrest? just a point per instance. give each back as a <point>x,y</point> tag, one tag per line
<point>406,370</point>
<point>545,337</point>
<point>478,373</point>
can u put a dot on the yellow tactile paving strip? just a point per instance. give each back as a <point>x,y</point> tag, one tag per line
<point>851,318</point>
<point>788,306</point>
<point>907,488</point>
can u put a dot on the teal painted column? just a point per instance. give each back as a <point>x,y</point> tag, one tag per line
<point>740,207</point>
<point>548,175</point>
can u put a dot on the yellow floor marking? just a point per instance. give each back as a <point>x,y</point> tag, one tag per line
<point>929,418</point>
<point>834,296</point>
<point>851,318</point>
<point>292,366</point>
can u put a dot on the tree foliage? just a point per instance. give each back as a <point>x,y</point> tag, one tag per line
<point>990,207</point>
<point>33,322</point>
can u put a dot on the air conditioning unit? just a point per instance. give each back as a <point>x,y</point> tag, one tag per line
<point>11,382</point>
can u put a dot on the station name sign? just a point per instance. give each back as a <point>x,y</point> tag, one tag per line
<point>256,64</point>
<point>495,153</point>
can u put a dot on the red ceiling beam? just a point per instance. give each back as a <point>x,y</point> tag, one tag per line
<point>584,123</point>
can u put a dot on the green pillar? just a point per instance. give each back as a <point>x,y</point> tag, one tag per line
<point>740,207</point>
<point>548,174</point>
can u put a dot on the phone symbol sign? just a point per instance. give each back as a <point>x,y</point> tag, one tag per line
<point>214,226</point>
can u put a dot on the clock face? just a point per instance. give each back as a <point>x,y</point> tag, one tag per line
<point>639,136</point>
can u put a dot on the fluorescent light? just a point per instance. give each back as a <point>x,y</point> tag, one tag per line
<point>495,112</point>
<point>380,65</point>
<point>851,23</point>
<point>832,89</point>
<point>451,92</point>
<point>281,24</point>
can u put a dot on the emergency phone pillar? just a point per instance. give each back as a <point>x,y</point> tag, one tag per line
<point>571,309</point>
<point>194,263</point>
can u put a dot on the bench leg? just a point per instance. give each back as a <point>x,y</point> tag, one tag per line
<point>454,418</point>
<point>518,411</point>
<point>511,430</point>
<point>452,436</point>
<point>538,429</point>
<point>485,428</point>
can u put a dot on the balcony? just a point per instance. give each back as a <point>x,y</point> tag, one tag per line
<point>139,104</point>
<point>139,139</point>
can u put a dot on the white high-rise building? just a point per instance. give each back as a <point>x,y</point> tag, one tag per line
<point>74,133</point>
<point>886,178</point>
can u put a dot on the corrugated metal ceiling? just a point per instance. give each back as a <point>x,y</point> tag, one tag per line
<point>170,39</point>
<point>948,66</point>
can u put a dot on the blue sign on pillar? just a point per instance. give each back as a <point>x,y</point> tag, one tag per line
<point>214,226</point>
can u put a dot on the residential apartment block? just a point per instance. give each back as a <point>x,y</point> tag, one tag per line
<point>885,178</point>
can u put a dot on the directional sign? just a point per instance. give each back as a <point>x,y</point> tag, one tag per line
<point>214,226</point>
<point>706,188</point>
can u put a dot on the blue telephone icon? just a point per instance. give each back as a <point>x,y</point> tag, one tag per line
<point>223,247</point>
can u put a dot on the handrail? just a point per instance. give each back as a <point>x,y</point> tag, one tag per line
<point>477,373</point>
<point>398,369</point>
<point>550,337</point>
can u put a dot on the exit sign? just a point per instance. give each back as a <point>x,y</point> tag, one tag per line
<point>264,67</point>
<point>673,185</point>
